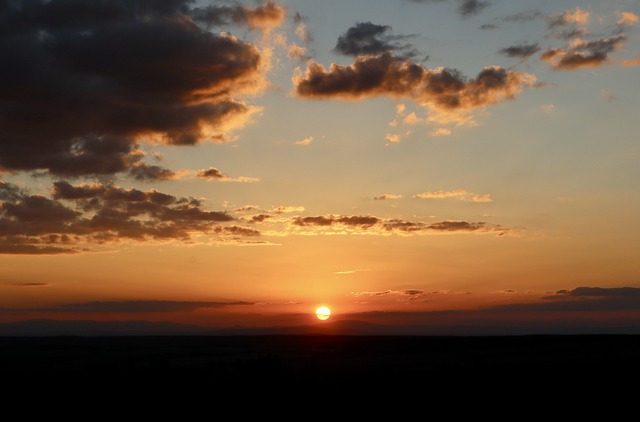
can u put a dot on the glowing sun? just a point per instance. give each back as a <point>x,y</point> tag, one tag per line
<point>323,313</point>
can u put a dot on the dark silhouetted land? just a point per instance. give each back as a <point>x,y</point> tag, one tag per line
<point>334,366</point>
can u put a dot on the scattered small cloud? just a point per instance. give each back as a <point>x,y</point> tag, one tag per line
<point>387,196</point>
<point>460,194</point>
<point>632,62</point>
<point>468,8</point>
<point>548,108</point>
<point>367,38</point>
<point>607,94</point>
<point>520,51</point>
<point>306,141</point>
<point>440,132</point>
<point>627,18</point>
<point>577,16</point>
<point>213,173</point>
<point>524,16</point>
<point>581,54</point>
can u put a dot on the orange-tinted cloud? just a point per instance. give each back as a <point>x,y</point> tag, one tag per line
<point>582,54</point>
<point>445,92</point>
<point>460,194</point>
<point>266,16</point>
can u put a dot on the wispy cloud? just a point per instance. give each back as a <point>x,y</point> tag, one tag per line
<point>386,196</point>
<point>460,194</point>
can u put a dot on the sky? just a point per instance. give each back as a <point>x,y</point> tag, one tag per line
<point>437,165</point>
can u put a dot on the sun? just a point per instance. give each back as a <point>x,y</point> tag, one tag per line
<point>323,313</point>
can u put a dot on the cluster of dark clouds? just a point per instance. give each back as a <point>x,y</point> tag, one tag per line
<point>93,213</point>
<point>372,224</point>
<point>83,82</point>
<point>366,38</point>
<point>443,90</point>
<point>80,217</point>
<point>583,53</point>
<point>571,26</point>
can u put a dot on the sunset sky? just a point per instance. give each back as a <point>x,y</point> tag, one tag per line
<point>429,163</point>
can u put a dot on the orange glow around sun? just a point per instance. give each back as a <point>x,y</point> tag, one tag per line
<point>323,313</point>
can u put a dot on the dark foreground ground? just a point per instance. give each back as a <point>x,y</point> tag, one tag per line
<point>326,369</point>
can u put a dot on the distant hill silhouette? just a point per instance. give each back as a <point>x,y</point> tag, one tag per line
<point>50,327</point>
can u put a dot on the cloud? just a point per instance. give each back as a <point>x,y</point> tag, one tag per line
<point>301,28</point>
<point>522,51</point>
<point>471,7</point>
<point>142,171</point>
<point>79,217</point>
<point>582,54</point>
<point>523,16</point>
<point>627,18</point>
<point>332,224</point>
<point>366,38</point>
<point>440,132</point>
<point>264,17</point>
<point>447,94</point>
<point>297,52</point>
<point>577,16</point>
<point>460,194</point>
<point>306,141</point>
<point>348,272</point>
<point>632,62</point>
<point>213,173</point>
<point>386,196</point>
<point>584,299</point>
<point>89,81</point>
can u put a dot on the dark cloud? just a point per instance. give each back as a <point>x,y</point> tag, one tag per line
<point>584,299</point>
<point>260,218</point>
<point>353,221</point>
<point>568,24</point>
<point>465,7</point>
<point>142,171</point>
<point>211,173</point>
<point>471,7</point>
<point>524,16</point>
<point>443,90</point>
<point>371,224</point>
<point>237,231</point>
<point>629,292</point>
<point>521,51</point>
<point>90,214</point>
<point>369,38</point>
<point>83,82</point>
<point>10,192</point>
<point>268,15</point>
<point>583,54</point>
<point>457,226</point>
